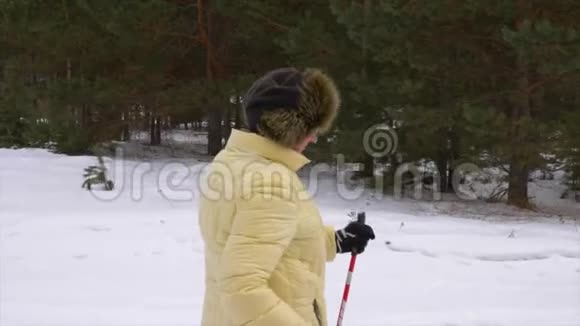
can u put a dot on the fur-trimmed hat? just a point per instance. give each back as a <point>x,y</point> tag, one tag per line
<point>286,105</point>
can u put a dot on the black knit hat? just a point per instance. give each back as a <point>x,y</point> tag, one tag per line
<point>286,105</point>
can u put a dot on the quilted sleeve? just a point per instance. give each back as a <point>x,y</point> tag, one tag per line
<point>263,227</point>
<point>330,243</point>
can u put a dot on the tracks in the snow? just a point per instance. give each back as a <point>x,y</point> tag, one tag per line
<point>500,257</point>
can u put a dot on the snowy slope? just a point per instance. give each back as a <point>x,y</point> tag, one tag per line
<point>70,259</point>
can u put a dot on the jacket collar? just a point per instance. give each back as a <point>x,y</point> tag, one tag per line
<point>254,143</point>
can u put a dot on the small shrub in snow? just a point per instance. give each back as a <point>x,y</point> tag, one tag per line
<point>97,174</point>
<point>498,193</point>
<point>572,181</point>
<point>489,184</point>
<point>542,174</point>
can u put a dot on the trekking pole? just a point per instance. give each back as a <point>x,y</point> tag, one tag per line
<point>361,219</point>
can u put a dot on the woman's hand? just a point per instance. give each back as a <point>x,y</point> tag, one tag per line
<point>353,238</point>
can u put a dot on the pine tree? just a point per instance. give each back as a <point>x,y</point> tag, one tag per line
<point>447,61</point>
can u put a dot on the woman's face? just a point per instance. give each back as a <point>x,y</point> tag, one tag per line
<point>300,147</point>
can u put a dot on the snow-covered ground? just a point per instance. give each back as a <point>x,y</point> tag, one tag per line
<point>68,258</point>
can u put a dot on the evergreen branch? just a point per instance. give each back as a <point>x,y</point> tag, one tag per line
<point>408,5</point>
<point>551,79</point>
<point>156,31</point>
<point>278,26</point>
<point>497,162</point>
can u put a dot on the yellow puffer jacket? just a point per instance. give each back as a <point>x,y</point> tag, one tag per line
<point>265,244</point>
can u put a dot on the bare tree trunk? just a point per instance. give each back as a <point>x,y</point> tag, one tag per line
<point>369,161</point>
<point>159,124</point>
<point>154,130</point>
<point>151,129</point>
<point>228,123</point>
<point>442,168</point>
<point>73,111</point>
<point>214,144</point>
<point>454,147</point>
<point>239,122</point>
<point>518,184</point>
<point>125,133</point>
<point>442,156</point>
<point>214,135</point>
<point>520,113</point>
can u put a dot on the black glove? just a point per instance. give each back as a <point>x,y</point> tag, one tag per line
<point>354,237</point>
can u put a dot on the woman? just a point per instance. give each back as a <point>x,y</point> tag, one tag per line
<point>265,244</point>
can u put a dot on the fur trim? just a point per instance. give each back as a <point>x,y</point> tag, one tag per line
<point>318,106</point>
